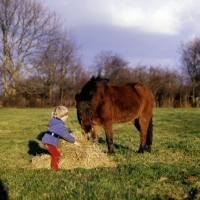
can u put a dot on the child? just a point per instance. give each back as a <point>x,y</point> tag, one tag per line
<point>56,129</point>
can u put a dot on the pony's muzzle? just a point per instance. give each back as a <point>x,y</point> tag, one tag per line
<point>86,125</point>
<point>87,128</point>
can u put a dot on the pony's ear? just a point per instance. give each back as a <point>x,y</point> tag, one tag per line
<point>77,97</point>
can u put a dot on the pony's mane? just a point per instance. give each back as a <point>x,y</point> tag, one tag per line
<point>98,78</point>
<point>90,87</point>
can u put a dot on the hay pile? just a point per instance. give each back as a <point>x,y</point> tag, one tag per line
<point>88,155</point>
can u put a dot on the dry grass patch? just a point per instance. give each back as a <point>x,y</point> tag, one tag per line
<point>88,155</point>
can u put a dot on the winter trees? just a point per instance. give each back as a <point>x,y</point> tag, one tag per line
<point>190,58</point>
<point>34,49</point>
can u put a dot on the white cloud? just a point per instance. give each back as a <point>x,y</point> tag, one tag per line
<point>165,17</point>
<point>156,21</point>
<point>154,16</point>
<point>142,31</point>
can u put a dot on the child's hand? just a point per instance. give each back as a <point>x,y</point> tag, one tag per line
<point>76,143</point>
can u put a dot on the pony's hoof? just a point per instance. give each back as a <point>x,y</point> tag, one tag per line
<point>140,151</point>
<point>148,148</point>
<point>112,153</point>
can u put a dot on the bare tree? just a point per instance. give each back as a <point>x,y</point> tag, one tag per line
<point>109,65</point>
<point>60,64</point>
<point>190,58</point>
<point>139,73</point>
<point>58,72</point>
<point>25,26</point>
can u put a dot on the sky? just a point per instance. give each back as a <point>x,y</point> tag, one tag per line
<point>142,32</point>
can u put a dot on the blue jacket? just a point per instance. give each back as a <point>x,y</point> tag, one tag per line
<point>56,125</point>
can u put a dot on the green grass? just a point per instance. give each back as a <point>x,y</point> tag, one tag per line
<point>171,171</point>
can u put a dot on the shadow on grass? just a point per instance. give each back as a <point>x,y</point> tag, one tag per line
<point>117,146</point>
<point>3,192</point>
<point>34,148</point>
<point>192,194</point>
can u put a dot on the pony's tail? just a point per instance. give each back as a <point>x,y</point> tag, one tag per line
<point>149,138</point>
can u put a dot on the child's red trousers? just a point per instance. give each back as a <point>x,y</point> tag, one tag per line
<point>55,155</point>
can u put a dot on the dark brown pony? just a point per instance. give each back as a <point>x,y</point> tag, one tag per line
<point>101,103</point>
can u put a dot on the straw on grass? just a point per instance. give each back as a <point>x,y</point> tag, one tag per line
<point>87,155</point>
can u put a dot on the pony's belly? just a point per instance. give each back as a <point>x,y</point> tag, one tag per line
<point>123,120</point>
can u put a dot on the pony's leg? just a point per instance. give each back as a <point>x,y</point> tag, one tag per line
<point>95,133</point>
<point>149,138</point>
<point>109,136</point>
<point>143,126</point>
<point>137,125</point>
<point>147,146</point>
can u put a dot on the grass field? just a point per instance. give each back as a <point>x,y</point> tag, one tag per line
<point>171,171</point>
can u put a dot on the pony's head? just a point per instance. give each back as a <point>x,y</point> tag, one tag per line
<point>84,114</point>
<point>84,101</point>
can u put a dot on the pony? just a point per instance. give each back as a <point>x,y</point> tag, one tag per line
<point>101,103</point>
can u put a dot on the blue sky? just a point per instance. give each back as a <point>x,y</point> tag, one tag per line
<point>145,32</point>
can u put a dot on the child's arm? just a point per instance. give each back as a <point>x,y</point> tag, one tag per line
<point>63,132</point>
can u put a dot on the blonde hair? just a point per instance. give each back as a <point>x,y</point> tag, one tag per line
<point>59,112</point>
